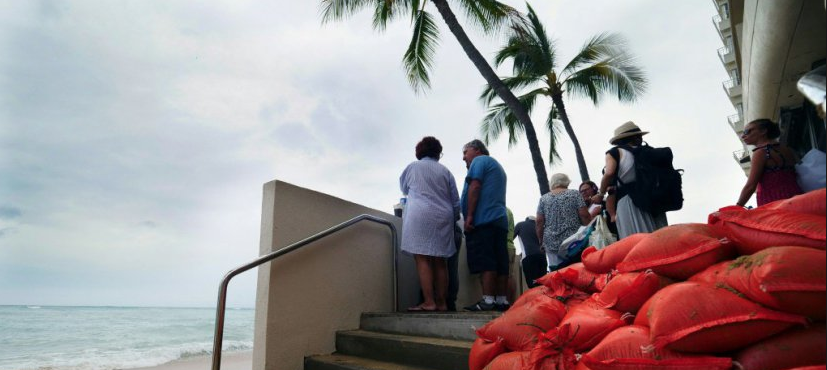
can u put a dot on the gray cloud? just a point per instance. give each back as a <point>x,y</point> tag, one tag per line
<point>135,137</point>
<point>8,213</point>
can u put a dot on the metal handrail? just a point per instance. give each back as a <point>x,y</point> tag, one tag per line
<point>723,52</point>
<point>222,289</point>
<point>729,85</point>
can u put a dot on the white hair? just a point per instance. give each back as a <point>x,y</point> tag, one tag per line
<point>559,180</point>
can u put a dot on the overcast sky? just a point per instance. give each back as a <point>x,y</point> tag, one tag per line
<point>135,136</point>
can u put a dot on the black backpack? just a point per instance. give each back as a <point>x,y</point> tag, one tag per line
<point>657,185</point>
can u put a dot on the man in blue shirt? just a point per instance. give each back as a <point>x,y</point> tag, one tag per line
<point>486,225</point>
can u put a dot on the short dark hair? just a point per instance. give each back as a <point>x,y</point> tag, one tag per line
<point>478,145</point>
<point>773,131</point>
<point>591,185</point>
<point>637,139</point>
<point>429,146</point>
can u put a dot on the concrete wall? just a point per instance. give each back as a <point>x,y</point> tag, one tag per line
<point>304,297</point>
<point>781,41</point>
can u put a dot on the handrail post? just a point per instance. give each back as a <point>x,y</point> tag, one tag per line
<point>222,289</point>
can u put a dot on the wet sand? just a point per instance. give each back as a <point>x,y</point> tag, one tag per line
<point>229,361</point>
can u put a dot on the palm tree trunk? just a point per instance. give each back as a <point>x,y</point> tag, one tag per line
<point>499,87</point>
<point>557,98</point>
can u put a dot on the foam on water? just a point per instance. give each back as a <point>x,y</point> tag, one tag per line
<point>108,338</point>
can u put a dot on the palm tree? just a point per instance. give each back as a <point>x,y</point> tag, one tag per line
<point>603,66</point>
<point>418,59</point>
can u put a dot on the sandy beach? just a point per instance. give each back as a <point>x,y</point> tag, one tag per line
<point>229,361</point>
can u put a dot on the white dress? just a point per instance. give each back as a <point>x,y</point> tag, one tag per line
<point>431,209</point>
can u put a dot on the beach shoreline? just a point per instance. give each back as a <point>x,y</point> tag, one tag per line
<point>229,361</point>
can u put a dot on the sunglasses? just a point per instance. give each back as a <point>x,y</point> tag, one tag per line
<point>747,132</point>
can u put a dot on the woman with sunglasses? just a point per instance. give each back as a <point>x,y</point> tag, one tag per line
<point>772,173</point>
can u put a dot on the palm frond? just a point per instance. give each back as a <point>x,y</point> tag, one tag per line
<point>334,10</point>
<point>500,118</point>
<point>488,15</point>
<point>553,131</point>
<point>388,10</point>
<point>512,83</point>
<point>528,47</point>
<point>544,44</point>
<point>617,75</point>
<point>597,48</point>
<point>419,57</point>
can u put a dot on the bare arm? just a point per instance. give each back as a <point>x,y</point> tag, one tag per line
<point>608,176</point>
<point>585,217</point>
<point>755,172</point>
<point>473,197</point>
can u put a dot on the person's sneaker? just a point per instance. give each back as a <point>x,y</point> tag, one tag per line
<point>480,306</point>
<point>501,307</point>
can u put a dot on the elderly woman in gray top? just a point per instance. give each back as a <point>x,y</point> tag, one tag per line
<point>560,213</point>
<point>428,221</point>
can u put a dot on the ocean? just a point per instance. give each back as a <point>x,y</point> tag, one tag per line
<point>108,338</point>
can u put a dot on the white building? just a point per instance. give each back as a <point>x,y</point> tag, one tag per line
<point>768,46</point>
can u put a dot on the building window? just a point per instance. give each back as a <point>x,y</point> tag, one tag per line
<point>725,10</point>
<point>802,129</point>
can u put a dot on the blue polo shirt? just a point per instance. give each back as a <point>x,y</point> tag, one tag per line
<point>491,202</point>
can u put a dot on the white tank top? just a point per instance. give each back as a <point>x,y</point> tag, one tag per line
<point>626,166</point>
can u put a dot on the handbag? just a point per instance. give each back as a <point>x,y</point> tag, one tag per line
<point>572,246</point>
<point>601,236</point>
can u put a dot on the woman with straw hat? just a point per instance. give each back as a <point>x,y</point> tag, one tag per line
<point>620,165</point>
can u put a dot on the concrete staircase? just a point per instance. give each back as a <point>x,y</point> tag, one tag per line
<point>404,341</point>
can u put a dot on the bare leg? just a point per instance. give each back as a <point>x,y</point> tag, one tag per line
<point>489,283</point>
<point>502,285</point>
<point>426,281</point>
<point>611,206</point>
<point>512,290</point>
<point>440,268</point>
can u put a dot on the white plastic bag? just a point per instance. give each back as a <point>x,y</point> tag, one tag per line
<point>576,242</point>
<point>601,237</point>
<point>810,170</point>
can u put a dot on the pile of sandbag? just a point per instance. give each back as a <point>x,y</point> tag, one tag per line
<point>746,290</point>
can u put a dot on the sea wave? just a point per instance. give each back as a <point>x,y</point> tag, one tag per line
<point>129,359</point>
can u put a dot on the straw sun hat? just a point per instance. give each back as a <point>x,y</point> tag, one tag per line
<point>625,130</point>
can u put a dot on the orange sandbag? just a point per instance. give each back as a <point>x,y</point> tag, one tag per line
<point>483,352</point>
<point>788,279</point>
<point>678,251</point>
<point>757,229</point>
<point>589,323</point>
<point>532,294</point>
<point>553,352</point>
<point>524,361</point>
<point>605,260</point>
<point>814,203</point>
<point>510,361</point>
<point>700,318</point>
<point>627,292</point>
<point>576,299</point>
<point>713,275</point>
<point>642,317</point>
<point>629,348</point>
<point>817,367</point>
<point>793,348</point>
<point>576,276</point>
<point>519,326</point>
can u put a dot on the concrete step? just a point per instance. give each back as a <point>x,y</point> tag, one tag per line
<point>344,362</point>
<point>431,353</point>
<point>458,326</point>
